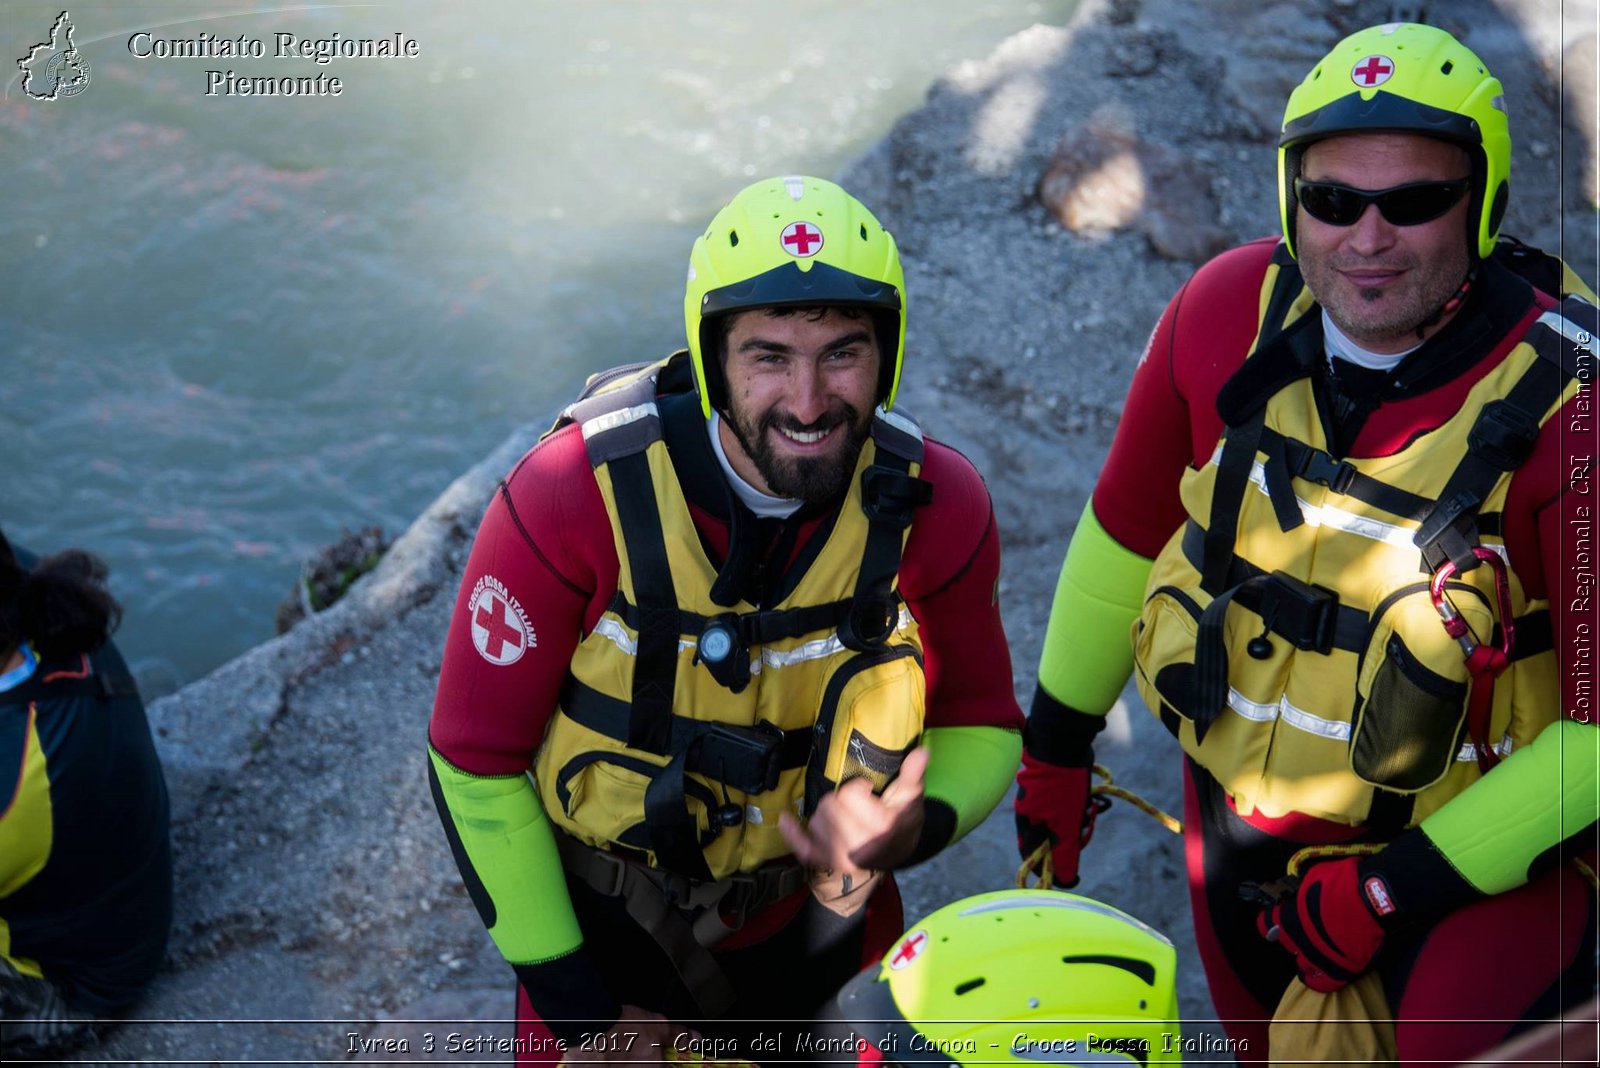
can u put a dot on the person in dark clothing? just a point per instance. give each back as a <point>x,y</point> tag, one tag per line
<point>85,857</point>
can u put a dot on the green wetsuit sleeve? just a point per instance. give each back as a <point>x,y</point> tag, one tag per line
<point>969,771</point>
<point>506,850</point>
<point>1087,655</point>
<point>1535,799</point>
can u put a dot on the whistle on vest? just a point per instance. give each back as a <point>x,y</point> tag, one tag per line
<point>724,652</point>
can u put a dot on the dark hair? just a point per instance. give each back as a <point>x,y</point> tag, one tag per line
<point>61,604</point>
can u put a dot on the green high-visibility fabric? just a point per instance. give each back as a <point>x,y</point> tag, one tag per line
<point>1087,653</point>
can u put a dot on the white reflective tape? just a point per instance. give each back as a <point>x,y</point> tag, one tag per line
<point>1566,328</point>
<point>612,630</point>
<point>1332,518</point>
<point>1468,753</point>
<point>618,635</point>
<point>1250,709</point>
<point>622,417</point>
<point>1303,720</point>
<point>901,423</point>
<point>1292,715</point>
<point>795,186</point>
<point>815,649</point>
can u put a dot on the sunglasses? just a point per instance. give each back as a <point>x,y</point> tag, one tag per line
<point>1401,205</point>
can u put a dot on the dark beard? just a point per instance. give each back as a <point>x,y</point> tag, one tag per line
<point>814,480</point>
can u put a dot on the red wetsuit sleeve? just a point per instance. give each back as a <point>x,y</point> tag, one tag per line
<point>544,562</point>
<point>949,576</point>
<point>1170,420</point>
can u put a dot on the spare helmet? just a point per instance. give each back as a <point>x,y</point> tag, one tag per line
<point>1404,77</point>
<point>792,241</point>
<point>1025,977</point>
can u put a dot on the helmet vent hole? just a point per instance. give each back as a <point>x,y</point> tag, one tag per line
<point>733,238</point>
<point>969,985</point>
<point>1447,68</point>
<point>863,231</point>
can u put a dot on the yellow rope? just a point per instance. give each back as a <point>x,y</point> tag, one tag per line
<point>1298,862</point>
<point>1108,789</point>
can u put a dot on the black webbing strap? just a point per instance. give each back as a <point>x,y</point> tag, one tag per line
<point>674,835</point>
<point>755,628</point>
<point>746,758</point>
<point>1345,628</point>
<point>890,496</point>
<point>1227,500</point>
<point>656,658</point>
<point>1504,435</point>
<point>1341,476</point>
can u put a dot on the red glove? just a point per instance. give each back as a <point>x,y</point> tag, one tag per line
<point>1053,806</point>
<point>1330,922</point>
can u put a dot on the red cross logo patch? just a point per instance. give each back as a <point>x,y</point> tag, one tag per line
<point>910,948</point>
<point>1372,70</point>
<point>801,239</point>
<point>500,629</point>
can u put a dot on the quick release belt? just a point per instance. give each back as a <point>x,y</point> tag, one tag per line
<point>684,916</point>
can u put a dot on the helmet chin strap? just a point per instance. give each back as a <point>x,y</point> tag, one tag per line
<point>1449,306</point>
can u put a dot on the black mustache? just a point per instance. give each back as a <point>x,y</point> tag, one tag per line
<point>824,423</point>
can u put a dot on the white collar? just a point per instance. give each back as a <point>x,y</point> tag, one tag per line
<point>762,504</point>
<point>1340,346</point>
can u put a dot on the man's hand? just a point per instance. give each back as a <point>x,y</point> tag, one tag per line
<point>1329,923</point>
<point>638,1036</point>
<point>857,834</point>
<point>1053,807</point>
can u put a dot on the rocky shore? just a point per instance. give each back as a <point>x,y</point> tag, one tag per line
<point>314,884</point>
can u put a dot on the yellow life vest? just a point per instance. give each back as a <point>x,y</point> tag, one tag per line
<point>691,718</point>
<point>1289,637</point>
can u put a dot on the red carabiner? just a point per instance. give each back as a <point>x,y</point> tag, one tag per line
<point>1483,664</point>
<point>1454,624</point>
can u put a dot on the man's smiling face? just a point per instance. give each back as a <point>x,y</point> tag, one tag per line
<point>801,388</point>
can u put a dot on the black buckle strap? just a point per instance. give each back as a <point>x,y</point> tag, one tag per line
<point>746,758</point>
<point>1503,435</point>
<point>1320,467</point>
<point>892,496</point>
<point>1302,612</point>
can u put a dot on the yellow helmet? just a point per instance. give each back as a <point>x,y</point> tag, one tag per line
<point>1408,78</point>
<point>792,241</point>
<point>1023,976</point>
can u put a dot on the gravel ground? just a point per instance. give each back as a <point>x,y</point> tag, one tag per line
<point>314,883</point>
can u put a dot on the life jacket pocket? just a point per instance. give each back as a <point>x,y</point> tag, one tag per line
<point>1412,687</point>
<point>871,717</point>
<point>1164,639</point>
<point>603,793</point>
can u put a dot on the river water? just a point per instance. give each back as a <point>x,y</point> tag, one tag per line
<point>231,326</point>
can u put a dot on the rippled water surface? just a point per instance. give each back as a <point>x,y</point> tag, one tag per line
<point>230,327</point>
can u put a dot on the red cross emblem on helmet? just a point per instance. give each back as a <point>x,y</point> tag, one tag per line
<point>910,948</point>
<point>801,239</point>
<point>1371,71</point>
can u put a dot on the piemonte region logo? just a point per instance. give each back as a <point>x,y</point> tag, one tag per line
<point>55,68</point>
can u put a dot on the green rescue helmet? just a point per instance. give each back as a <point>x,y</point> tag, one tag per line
<point>792,241</point>
<point>1404,77</point>
<point>1025,977</point>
